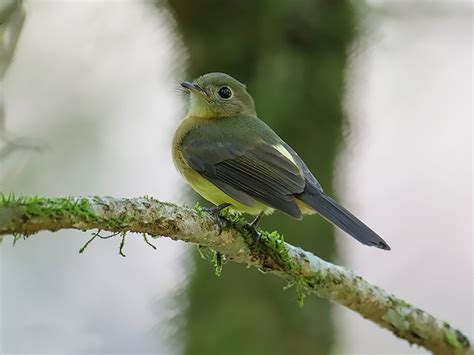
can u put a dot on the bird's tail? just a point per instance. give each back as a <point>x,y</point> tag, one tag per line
<point>339,216</point>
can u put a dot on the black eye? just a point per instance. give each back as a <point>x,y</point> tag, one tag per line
<point>225,92</point>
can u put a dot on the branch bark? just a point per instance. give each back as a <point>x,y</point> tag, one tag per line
<point>310,274</point>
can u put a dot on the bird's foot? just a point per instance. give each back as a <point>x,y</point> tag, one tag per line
<point>252,228</point>
<point>254,232</point>
<point>216,214</point>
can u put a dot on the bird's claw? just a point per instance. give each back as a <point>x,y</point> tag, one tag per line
<point>254,232</point>
<point>216,214</point>
<point>252,227</point>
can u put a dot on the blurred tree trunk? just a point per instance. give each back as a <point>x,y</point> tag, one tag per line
<point>292,56</point>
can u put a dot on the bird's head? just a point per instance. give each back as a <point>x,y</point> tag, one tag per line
<point>217,95</point>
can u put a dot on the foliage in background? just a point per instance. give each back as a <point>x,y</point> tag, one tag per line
<point>12,18</point>
<point>292,56</point>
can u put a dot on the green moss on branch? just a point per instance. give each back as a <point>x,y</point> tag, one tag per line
<point>308,273</point>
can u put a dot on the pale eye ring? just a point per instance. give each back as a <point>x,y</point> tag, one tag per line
<point>225,92</point>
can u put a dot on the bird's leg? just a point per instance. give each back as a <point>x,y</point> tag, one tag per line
<point>215,212</point>
<point>252,227</point>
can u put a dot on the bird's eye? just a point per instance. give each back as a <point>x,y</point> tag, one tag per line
<point>225,92</point>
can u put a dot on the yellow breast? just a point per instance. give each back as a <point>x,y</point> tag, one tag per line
<point>200,184</point>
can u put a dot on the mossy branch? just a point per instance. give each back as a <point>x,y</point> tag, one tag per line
<point>310,274</point>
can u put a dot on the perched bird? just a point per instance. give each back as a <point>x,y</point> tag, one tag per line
<point>233,159</point>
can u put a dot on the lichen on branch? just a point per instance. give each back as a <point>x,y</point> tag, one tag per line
<point>308,273</point>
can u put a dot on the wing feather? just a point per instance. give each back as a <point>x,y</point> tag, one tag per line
<point>243,168</point>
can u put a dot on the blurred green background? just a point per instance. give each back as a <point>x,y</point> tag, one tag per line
<point>256,42</point>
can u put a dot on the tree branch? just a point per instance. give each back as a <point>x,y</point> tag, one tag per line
<point>310,274</point>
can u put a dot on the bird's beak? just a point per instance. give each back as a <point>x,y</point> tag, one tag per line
<point>193,87</point>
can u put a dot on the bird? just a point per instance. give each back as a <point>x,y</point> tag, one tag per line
<point>234,160</point>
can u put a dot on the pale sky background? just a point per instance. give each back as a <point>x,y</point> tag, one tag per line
<point>407,166</point>
<point>96,81</point>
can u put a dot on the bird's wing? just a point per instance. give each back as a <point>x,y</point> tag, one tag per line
<point>243,167</point>
<point>309,177</point>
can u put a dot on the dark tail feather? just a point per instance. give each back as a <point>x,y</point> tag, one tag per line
<point>338,215</point>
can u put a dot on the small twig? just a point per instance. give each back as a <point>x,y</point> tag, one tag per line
<point>94,235</point>
<point>122,244</point>
<point>16,237</point>
<point>202,252</point>
<point>217,261</point>
<point>109,236</point>
<point>146,241</point>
